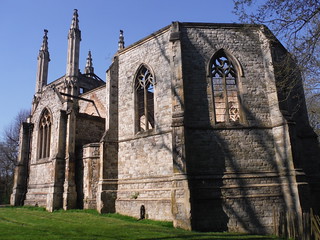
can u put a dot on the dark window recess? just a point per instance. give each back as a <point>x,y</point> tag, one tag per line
<point>81,90</point>
<point>44,134</point>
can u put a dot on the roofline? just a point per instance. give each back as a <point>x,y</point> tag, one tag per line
<point>188,24</point>
<point>145,39</point>
<point>92,90</point>
<point>219,25</point>
<point>54,81</point>
<point>81,75</point>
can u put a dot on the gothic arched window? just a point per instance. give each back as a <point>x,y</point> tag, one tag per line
<point>225,89</point>
<point>144,90</point>
<point>44,134</point>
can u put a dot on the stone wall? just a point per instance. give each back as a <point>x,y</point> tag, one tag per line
<point>42,172</point>
<point>97,104</point>
<point>155,53</point>
<point>199,44</point>
<point>235,170</point>
<point>145,159</point>
<point>91,168</point>
<point>230,172</point>
<point>89,129</point>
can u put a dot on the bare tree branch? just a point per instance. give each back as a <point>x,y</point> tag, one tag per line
<point>297,24</point>
<point>9,154</point>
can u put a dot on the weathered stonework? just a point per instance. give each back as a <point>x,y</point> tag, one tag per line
<point>91,167</point>
<point>96,105</point>
<point>184,166</point>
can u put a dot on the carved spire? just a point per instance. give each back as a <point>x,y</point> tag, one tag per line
<point>43,64</point>
<point>74,31</point>
<point>121,41</point>
<point>44,46</point>
<point>74,38</point>
<point>75,21</point>
<point>89,68</point>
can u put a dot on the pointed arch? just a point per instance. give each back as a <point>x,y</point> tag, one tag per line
<point>225,72</point>
<point>144,83</point>
<point>44,138</point>
<point>230,56</point>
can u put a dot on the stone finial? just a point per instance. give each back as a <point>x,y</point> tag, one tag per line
<point>89,68</point>
<point>74,38</point>
<point>43,64</point>
<point>44,46</point>
<point>121,41</point>
<point>75,20</point>
<point>44,49</point>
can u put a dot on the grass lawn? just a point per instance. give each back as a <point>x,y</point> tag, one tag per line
<point>36,223</point>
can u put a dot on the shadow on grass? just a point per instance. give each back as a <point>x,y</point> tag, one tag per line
<point>195,236</point>
<point>159,226</point>
<point>214,236</point>
<point>32,208</point>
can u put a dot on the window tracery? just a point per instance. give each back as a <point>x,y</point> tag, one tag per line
<point>44,134</point>
<point>144,88</point>
<point>225,89</point>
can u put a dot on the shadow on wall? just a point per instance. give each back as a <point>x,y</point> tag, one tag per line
<point>228,167</point>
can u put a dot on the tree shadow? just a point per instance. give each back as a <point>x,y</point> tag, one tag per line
<point>238,174</point>
<point>210,237</point>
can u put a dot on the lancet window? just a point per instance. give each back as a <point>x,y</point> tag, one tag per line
<point>44,134</point>
<point>144,90</point>
<point>225,89</point>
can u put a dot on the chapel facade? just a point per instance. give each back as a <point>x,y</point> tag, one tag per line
<point>196,124</point>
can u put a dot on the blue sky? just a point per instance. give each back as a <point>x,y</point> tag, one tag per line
<point>21,31</point>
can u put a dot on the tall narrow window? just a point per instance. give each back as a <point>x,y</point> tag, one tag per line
<point>225,90</point>
<point>144,87</point>
<point>44,134</point>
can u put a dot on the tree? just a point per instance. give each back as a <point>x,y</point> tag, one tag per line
<point>9,155</point>
<point>297,24</point>
<point>313,103</point>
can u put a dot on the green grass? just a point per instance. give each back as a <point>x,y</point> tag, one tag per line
<point>36,223</point>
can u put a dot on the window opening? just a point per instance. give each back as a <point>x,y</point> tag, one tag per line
<point>144,86</point>
<point>225,90</point>
<point>81,90</point>
<point>44,135</point>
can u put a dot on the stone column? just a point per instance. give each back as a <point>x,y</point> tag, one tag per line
<point>283,147</point>
<point>55,195</point>
<point>108,181</point>
<point>21,172</point>
<point>70,194</point>
<point>43,64</point>
<point>180,195</point>
<point>91,167</point>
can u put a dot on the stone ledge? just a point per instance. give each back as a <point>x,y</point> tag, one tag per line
<point>145,135</point>
<point>145,199</point>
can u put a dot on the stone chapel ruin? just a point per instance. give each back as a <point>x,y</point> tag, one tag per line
<point>192,126</point>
